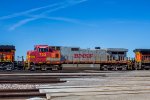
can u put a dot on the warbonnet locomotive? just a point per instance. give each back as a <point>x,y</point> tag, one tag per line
<point>46,57</point>
<point>43,57</point>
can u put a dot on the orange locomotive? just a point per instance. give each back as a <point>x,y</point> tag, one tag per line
<point>7,57</point>
<point>43,57</point>
<point>142,58</point>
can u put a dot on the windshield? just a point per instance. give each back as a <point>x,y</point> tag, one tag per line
<point>5,50</point>
<point>43,49</point>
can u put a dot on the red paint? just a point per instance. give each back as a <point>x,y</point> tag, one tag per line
<point>83,55</point>
<point>37,56</point>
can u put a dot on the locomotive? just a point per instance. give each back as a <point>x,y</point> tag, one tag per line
<point>7,57</point>
<point>142,58</point>
<point>45,57</point>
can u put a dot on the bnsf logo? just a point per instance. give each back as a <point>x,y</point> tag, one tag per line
<point>83,55</point>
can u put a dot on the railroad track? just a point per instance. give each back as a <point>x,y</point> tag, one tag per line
<point>21,93</point>
<point>65,70</point>
<point>31,81</point>
<point>24,86</point>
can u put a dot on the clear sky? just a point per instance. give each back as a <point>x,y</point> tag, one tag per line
<point>82,23</point>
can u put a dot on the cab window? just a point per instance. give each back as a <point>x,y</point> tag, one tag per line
<point>43,49</point>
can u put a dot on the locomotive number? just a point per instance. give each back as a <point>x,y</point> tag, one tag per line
<point>42,54</point>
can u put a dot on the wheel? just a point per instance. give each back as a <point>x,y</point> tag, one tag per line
<point>32,68</point>
<point>105,69</point>
<point>124,68</point>
<point>60,67</point>
<point>43,67</point>
<point>114,68</point>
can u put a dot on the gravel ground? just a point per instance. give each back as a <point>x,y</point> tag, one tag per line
<point>21,86</point>
<point>132,85</point>
<point>107,97</point>
<point>17,86</point>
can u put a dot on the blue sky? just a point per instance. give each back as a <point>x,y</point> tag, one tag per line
<point>83,23</point>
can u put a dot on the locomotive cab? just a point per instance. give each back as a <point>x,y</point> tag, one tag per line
<point>43,57</point>
<point>142,58</point>
<point>7,56</point>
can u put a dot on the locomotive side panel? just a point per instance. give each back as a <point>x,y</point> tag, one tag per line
<point>116,59</point>
<point>111,58</point>
<point>82,56</point>
<point>101,56</point>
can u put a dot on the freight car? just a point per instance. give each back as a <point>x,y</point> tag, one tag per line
<point>142,58</point>
<point>7,57</point>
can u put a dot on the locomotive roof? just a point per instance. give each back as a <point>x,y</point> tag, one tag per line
<point>117,49</point>
<point>11,47</point>
<point>40,45</point>
<point>141,50</point>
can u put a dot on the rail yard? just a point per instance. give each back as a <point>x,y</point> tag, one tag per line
<point>85,84</point>
<point>74,50</point>
<point>64,73</point>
